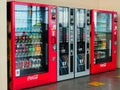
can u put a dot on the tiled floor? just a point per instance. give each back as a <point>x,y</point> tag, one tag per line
<point>110,81</point>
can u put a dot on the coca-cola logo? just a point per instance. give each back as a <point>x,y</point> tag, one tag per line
<point>34,77</point>
<point>103,65</point>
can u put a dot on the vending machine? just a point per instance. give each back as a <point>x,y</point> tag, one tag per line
<point>73,42</point>
<point>32,44</point>
<point>82,41</point>
<point>103,41</point>
<point>65,64</point>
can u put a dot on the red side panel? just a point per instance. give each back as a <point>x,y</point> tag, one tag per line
<point>52,43</point>
<point>114,39</point>
<point>97,68</point>
<point>36,79</point>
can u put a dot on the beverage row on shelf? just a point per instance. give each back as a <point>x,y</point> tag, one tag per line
<point>100,36</point>
<point>100,54</point>
<point>102,24</point>
<point>100,45</point>
<point>102,29</point>
<point>24,50</point>
<point>30,63</point>
<point>28,38</point>
<point>102,17</point>
<point>28,29</point>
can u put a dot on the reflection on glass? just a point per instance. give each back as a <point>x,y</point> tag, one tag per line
<point>64,41</point>
<point>102,37</point>
<point>31,25</point>
<point>103,22</point>
<point>81,37</point>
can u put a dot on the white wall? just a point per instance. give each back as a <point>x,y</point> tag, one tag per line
<point>3,46</point>
<point>72,3</point>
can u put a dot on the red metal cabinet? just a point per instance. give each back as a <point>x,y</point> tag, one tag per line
<point>103,41</point>
<point>32,44</point>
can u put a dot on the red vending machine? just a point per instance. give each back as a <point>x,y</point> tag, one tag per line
<point>32,44</point>
<point>103,41</point>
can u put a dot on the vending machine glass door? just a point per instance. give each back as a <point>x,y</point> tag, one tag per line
<point>82,35</point>
<point>102,37</point>
<point>64,41</point>
<point>64,67</point>
<point>80,32</point>
<point>31,40</point>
